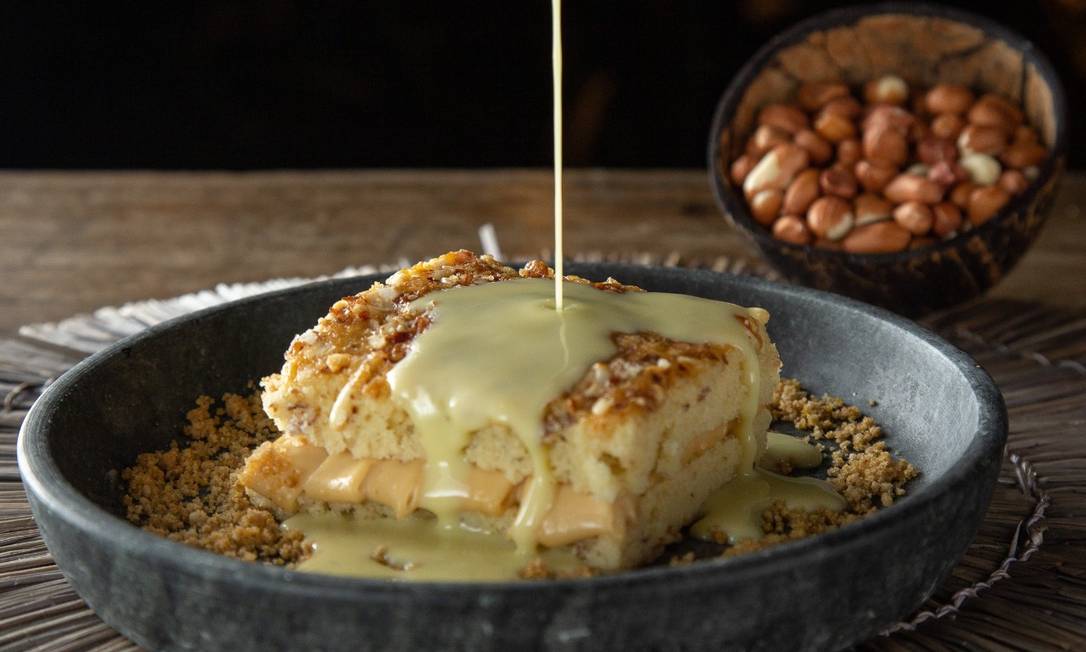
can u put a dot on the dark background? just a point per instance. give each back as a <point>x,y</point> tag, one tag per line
<point>279,83</point>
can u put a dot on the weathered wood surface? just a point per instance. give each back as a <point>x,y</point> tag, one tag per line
<point>71,242</point>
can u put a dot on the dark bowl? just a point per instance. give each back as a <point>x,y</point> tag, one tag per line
<point>924,44</point>
<point>940,408</point>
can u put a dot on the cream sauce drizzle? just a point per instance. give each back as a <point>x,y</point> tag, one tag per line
<point>499,352</point>
<point>788,450</point>
<point>735,509</point>
<point>556,84</point>
<point>413,549</point>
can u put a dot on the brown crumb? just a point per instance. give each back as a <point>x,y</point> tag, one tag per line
<point>189,493</point>
<point>682,560</point>
<point>862,470</point>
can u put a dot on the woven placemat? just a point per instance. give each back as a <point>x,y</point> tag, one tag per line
<point>1021,584</point>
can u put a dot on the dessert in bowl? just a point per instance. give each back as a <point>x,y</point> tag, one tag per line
<point>131,399</point>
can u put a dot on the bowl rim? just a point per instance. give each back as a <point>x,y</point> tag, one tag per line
<point>734,206</point>
<point>44,481</point>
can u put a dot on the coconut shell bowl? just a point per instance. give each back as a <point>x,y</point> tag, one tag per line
<point>923,46</point>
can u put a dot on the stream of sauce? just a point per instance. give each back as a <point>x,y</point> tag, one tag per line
<point>556,83</point>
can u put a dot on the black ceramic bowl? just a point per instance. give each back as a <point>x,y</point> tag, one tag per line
<point>940,409</point>
<point>924,44</point>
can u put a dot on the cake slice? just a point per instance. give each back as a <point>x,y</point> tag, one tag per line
<point>631,448</point>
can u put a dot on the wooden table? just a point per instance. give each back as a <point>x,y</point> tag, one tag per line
<point>70,242</point>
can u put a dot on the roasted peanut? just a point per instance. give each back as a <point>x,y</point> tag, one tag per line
<point>920,243</point>
<point>884,143</point>
<point>959,196</point>
<point>741,167</point>
<point>834,127</point>
<point>819,150</point>
<point>947,125</point>
<point>1013,181</point>
<point>776,169</point>
<point>982,140</point>
<point>812,96</point>
<point>1023,155</point>
<point>985,202</point>
<point>801,192</point>
<point>870,208</point>
<point>932,150</point>
<point>893,117</point>
<point>914,217</point>
<point>838,181</point>
<point>949,98</point>
<point>982,169</point>
<point>919,131</point>
<point>830,217</point>
<point>790,228</point>
<point>849,151</point>
<point>783,116</point>
<point>946,173</point>
<point>846,107</point>
<point>878,238</point>
<point>765,138</point>
<point>888,89</point>
<point>946,219</point>
<point>908,187</point>
<point>994,111</point>
<point>765,206</point>
<point>874,175</point>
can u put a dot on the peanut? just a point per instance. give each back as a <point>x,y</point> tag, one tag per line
<point>959,196</point>
<point>932,150</point>
<point>994,111</point>
<point>878,238</point>
<point>830,217</point>
<point>914,217</point>
<point>946,219</point>
<point>893,117</point>
<point>1025,134</point>
<point>982,169</point>
<point>846,107</point>
<point>765,138</point>
<point>776,169</point>
<point>870,208</point>
<point>982,140</point>
<point>949,98</point>
<point>740,168</point>
<point>801,192</point>
<point>908,187</point>
<point>783,116</point>
<point>818,149</point>
<point>882,142</point>
<point>838,181</point>
<point>946,173</point>
<point>790,228</point>
<point>1013,181</point>
<point>888,89</point>
<point>985,202</point>
<point>765,205</point>
<point>834,127</point>
<point>848,151</point>
<point>947,125</point>
<point>874,175</point>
